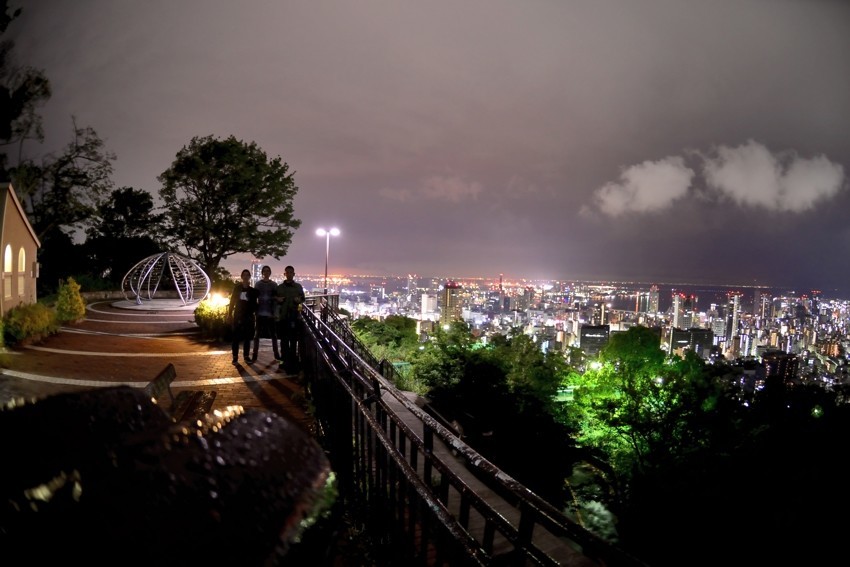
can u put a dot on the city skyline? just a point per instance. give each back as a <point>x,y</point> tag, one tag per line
<point>339,280</point>
<point>657,141</point>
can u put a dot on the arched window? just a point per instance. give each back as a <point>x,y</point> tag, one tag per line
<point>7,271</point>
<point>22,271</point>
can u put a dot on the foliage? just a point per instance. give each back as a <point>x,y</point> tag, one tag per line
<point>226,197</point>
<point>59,258</point>
<point>59,193</point>
<point>500,396</point>
<point>529,368</point>
<point>394,340</point>
<point>22,91</point>
<point>88,282</point>
<point>64,191</point>
<point>70,305</point>
<point>29,320</point>
<point>123,233</point>
<point>652,417</point>
<point>211,318</point>
<point>60,196</point>
<point>395,337</point>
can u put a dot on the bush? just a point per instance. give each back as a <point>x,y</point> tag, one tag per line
<point>29,320</point>
<point>70,305</point>
<point>211,318</point>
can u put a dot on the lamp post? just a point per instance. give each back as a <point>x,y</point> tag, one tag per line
<point>327,234</point>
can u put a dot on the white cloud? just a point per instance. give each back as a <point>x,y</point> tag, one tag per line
<point>645,188</point>
<point>751,175</point>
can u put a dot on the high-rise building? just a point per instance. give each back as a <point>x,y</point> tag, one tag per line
<point>450,308</point>
<point>677,310</point>
<point>700,341</point>
<point>653,299</point>
<point>736,310</point>
<point>256,271</point>
<point>718,327</point>
<point>428,304</point>
<point>780,369</point>
<point>679,341</point>
<point>501,295</point>
<point>411,288</point>
<point>641,301</point>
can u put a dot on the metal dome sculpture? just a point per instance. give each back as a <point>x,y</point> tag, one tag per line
<point>145,278</point>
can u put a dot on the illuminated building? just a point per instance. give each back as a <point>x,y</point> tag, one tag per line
<point>653,299</point>
<point>450,304</point>
<point>593,338</point>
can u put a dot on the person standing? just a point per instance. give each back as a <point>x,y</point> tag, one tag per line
<point>290,297</point>
<point>241,313</point>
<point>266,307</point>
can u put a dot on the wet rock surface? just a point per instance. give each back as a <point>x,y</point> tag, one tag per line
<point>105,477</point>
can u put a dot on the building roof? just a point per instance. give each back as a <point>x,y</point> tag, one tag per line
<point>6,188</point>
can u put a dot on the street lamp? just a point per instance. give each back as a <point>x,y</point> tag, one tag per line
<point>327,234</point>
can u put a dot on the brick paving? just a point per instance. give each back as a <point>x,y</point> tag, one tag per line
<point>121,343</point>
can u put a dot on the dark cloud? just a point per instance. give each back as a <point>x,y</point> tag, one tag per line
<point>613,139</point>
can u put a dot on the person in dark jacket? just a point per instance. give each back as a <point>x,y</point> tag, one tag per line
<point>241,314</point>
<point>266,309</point>
<point>290,297</point>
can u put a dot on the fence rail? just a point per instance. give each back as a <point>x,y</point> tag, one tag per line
<point>407,476</point>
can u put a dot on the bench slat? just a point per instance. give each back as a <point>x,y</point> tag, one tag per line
<point>187,405</point>
<point>201,406</point>
<point>162,384</point>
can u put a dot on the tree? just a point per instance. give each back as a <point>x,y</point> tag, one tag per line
<point>70,305</point>
<point>125,231</point>
<point>226,197</point>
<point>64,192</point>
<point>22,91</point>
<point>60,197</point>
<point>530,369</point>
<point>396,331</point>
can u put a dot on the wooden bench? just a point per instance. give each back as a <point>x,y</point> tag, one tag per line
<point>187,405</point>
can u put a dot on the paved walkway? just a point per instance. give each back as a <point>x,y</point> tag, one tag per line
<point>121,343</point>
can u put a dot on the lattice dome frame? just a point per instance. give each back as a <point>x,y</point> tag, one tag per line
<point>143,280</point>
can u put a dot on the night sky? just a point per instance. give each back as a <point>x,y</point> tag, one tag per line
<point>648,140</point>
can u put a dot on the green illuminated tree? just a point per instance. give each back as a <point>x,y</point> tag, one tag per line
<point>639,408</point>
<point>502,396</point>
<point>226,197</point>
<point>396,331</point>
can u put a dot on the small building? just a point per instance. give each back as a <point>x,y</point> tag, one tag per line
<point>20,249</point>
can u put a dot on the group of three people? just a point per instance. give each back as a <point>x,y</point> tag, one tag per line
<point>266,310</point>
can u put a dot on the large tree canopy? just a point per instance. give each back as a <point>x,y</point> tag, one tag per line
<point>226,197</point>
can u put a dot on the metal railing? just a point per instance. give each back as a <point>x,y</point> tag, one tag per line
<point>434,499</point>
